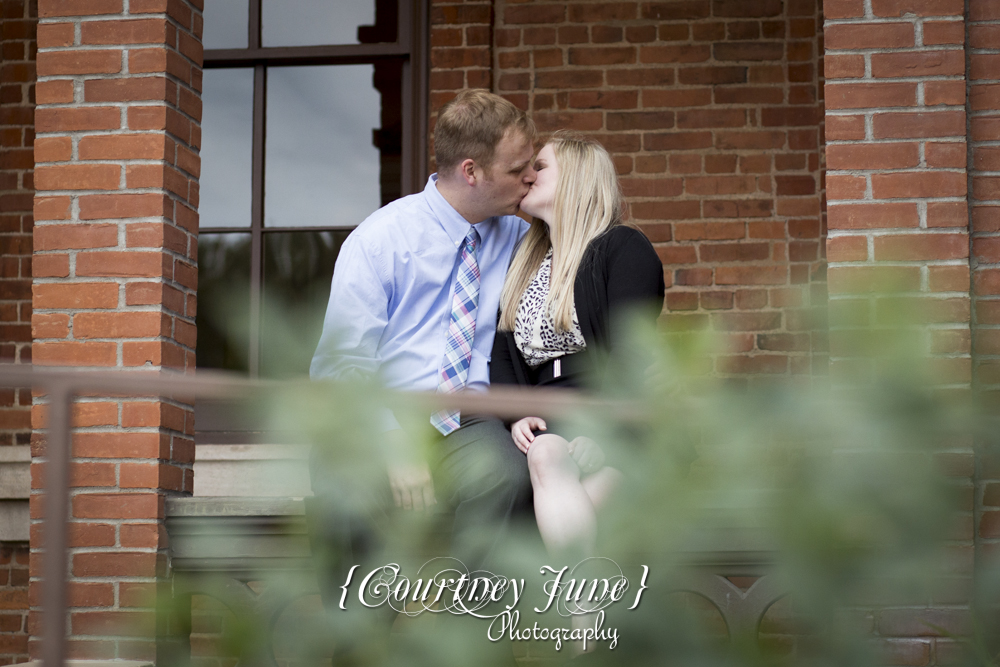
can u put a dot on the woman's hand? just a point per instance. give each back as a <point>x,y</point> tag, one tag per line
<point>521,431</point>
<point>587,454</point>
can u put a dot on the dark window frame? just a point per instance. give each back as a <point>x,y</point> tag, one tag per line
<point>411,48</point>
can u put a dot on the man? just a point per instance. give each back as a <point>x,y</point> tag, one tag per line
<point>414,301</point>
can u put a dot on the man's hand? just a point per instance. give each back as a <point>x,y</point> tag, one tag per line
<point>521,431</point>
<point>412,486</point>
<point>409,476</point>
<point>587,454</point>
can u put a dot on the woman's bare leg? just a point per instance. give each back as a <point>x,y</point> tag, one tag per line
<point>563,509</point>
<point>601,484</point>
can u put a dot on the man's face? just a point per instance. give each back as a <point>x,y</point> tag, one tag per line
<point>510,176</point>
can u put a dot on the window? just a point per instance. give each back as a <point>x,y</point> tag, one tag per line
<point>314,115</point>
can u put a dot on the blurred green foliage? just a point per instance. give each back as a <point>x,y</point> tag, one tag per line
<point>840,495</point>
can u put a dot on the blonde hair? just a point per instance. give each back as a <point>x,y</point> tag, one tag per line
<point>588,202</point>
<point>472,125</point>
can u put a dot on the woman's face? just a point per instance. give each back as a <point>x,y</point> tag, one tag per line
<point>541,197</point>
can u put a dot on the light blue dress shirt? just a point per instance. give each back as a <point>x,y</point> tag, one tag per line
<point>390,300</point>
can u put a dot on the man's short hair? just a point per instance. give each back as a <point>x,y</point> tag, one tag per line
<point>472,125</point>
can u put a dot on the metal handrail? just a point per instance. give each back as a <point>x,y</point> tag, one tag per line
<point>61,384</point>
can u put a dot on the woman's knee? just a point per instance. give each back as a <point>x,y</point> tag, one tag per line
<point>548,455</point>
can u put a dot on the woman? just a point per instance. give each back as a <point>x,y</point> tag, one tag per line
<point>576,269</point>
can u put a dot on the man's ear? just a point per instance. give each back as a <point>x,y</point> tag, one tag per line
<point>468,170</point>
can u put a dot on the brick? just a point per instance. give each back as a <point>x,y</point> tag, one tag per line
<point>666,210</point>
<point>944,93</point>
<point>845,128</point>
<point>872,156</point>
<point>122,264</point>
<point>74,354</point>
<point>843,9</point>
<point>112,623</point>
<point>912,247</point>
<point>944,32</point>
<point>847,249</point>
<point>602,55</point>
<point>116,506</point>
<point>841,186</point>
<point>947,155</point>
<point>79,61</point>
<point>865,279</point>
<point>49,325</point>
<point>676,98</point>
<point>541,14</point>
<point>139,31</point>
<point>54,8</point>
<point>53,149</point>
<point>685,53</point>
<point>741,51</point>
<point>856,36</point>
<point>746,8</point>
<point>78,177</point>
<point>96,207</point>
<point>56,35</point>
<point>873,216</point>
<point>50,237</point>
<point>918,63</point>
<point>734,252</point>
<point>75,295</point>
<point>51,208</point>
<point>78,119</point>
<point>131,89</point>
<point>603,99</point>
<point>712,75</point>
<point>751,275</point>
<point>947,214</point>
<point>705,118</point>
<point>916,125</point>
<point>870,95</point>
<point>676,10</point>
<point>919,184</point>
<point>899,8</point>
<point>59,91</point>
<point>139,536</point>
<point>120,325</point>
<point>50,266</point>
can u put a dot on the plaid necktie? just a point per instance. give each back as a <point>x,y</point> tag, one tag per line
<point>454,371</point>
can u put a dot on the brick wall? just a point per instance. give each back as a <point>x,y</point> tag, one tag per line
<point>13,603</point>
<point>17,107</point>
<point>712,111</point>
<point>115,248</point>
<point>896,185</point>
<point>984,171</point>
<point>898,222</point>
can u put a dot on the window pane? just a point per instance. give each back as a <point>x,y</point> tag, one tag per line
<point>223,301</point>
<point>322,167</point>
<point>299,23</point>
<point>298,267</point>
<point>227,23</point>
<point>226,148</point>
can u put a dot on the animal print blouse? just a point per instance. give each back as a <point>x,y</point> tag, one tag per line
<point>534,329</point>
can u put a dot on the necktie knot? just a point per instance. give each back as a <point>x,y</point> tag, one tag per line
<point>472,240</point>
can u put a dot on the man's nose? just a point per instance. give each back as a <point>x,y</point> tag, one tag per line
<point>529,175</point>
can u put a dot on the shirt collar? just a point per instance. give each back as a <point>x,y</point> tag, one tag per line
<point>454,225</point>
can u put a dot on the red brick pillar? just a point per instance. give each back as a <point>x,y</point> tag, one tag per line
<point>115,247</point>
<point>897,179</point>
<point>984,108</point>
<point>899,221</point>
<point>17,118</point>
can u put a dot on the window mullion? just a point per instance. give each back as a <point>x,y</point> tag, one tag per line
<point>257,218</point>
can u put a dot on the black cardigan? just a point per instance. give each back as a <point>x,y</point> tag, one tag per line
<point>619,269</point>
